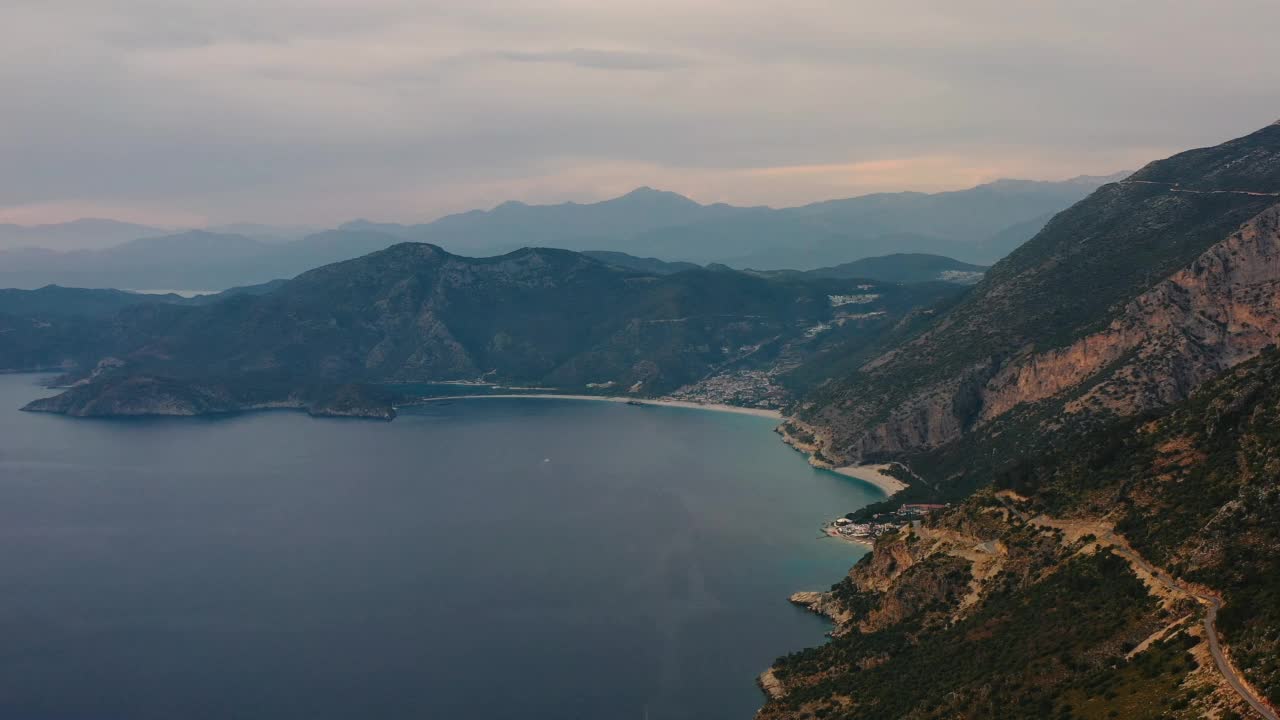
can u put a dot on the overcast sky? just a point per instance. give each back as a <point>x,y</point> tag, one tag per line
<point>318,111</point>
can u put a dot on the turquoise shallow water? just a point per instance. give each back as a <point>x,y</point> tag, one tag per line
<point>481,559</point>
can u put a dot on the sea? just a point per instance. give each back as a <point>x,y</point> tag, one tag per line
<point>484,559</point>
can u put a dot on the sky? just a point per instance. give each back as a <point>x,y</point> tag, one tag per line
<point>186,112</point>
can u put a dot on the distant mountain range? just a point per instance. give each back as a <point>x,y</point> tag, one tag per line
<point>980,224</point>
<point>83,234</point>
<point>976,225</point>
<point>895,268</point>
<point>192,260</point>
<point>56,301</point>
<point>100,234</point>
<point>648,265</point>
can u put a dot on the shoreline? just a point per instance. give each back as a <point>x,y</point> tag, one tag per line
<point>866,544</point>
<point>874,475</point>
<point>688,404</point>
<point>869,473</point>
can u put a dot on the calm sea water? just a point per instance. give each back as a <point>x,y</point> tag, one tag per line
<point>484,559</point>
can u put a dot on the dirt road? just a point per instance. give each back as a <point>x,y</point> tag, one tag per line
<point>1212,603</point>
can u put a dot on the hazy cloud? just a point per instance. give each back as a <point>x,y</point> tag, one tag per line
<point>603,59</point>
<point>319,110</point>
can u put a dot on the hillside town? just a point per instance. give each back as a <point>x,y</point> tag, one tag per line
<point>748,388</point>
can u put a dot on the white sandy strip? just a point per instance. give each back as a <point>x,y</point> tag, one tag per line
<point>759,412</point>
<point>875,475</point>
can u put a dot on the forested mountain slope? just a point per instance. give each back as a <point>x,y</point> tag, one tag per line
<point>415,313</point>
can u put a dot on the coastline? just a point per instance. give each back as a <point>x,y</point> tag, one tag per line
<point>715,407</point>
<point>874,475</point>
<point>375,410</point>
<point>867,545</point>
<point>869,473</point>
<point>829,531</point>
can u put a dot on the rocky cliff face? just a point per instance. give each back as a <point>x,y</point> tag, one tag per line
<point>1128,301</point>
<point>1220,311</point>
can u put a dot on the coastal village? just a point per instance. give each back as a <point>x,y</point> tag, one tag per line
<point>749,388</point>
<point>880,523</point>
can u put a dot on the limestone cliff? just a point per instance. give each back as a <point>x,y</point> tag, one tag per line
<point>1127,301</point>
<point>1219,311</point>
<point>1216,313</point>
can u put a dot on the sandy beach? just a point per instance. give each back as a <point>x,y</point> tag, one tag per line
<point>872,473</point>
<point>759,412</point>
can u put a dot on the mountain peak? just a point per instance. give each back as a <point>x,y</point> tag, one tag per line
<point>1086,181</point>
<point>645,190</point>
<point>1247,164</point>
<point>648,194</point>
<point>1099,180</point>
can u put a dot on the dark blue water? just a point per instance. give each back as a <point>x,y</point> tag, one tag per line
<point>485,559</point>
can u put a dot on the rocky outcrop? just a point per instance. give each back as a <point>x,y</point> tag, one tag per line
<point>906,575</point>
<point>1213,315</point>
<point>1125,301</point>
<point>771,685</point>
<point>824,604</point>
<point>924,421</point>
<point>882,568</point>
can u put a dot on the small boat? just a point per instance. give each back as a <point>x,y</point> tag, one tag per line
<point>637,403</point>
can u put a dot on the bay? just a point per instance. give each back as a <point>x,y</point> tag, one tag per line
<point>484,559</point>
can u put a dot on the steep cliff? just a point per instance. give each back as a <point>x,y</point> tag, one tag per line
<point>1126,301</point>
<point>1221,310</point>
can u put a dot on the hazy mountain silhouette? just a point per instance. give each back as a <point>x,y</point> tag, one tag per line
<point>978,225</point>
<point>968,224</point>
<point>193,260</point>
<point>75,235</point>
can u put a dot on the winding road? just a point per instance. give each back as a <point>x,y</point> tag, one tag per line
<point>1212,603</point>
<point>1173,187</point>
